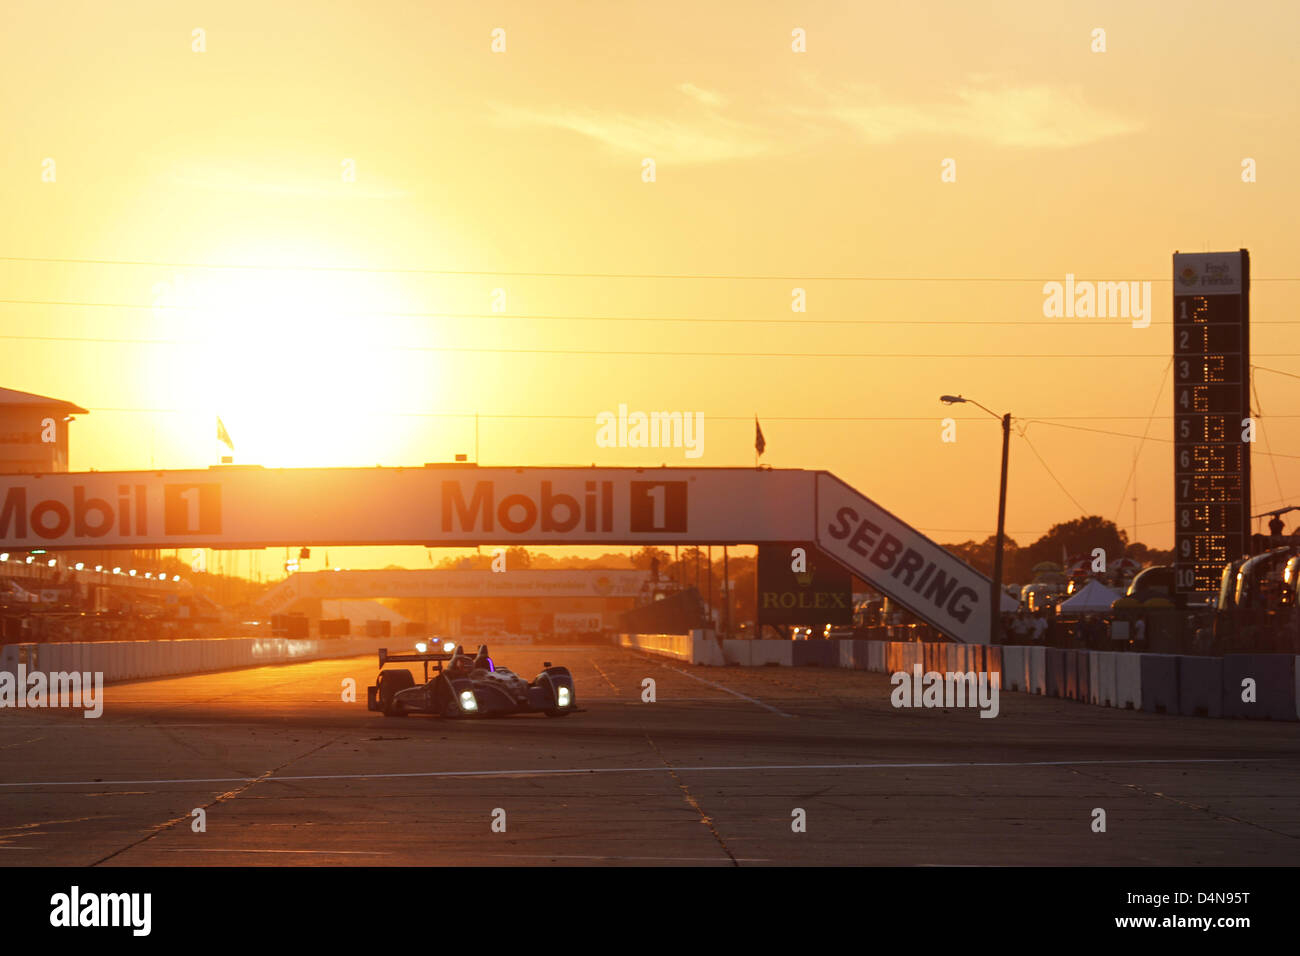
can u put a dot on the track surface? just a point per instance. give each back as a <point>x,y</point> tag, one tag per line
<point>288,773</point>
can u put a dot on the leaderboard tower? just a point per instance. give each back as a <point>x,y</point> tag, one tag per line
<point>1212,431</point>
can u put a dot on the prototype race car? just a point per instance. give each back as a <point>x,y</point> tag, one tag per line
<point>468,686</point>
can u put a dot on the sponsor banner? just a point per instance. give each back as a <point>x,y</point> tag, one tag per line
<point>1207,273</point>
<point>240,507</point>
<point>573,623</point>
<point>820,593</point>
<point>466,584</point>
<point>900,562</point>
<point>478,624</point>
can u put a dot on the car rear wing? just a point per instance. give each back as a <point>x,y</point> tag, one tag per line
<point>385,657</point>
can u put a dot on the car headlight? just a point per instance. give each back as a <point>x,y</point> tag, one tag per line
<point>467,701</point>
<point>448,647</point>
<point>562,697</point>
<point>422,647</point>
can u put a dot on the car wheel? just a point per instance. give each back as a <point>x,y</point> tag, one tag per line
<point>390,682</point>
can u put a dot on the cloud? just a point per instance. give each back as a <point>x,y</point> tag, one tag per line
<point>248,179</point>
<point>1036,116</point>
<point>685,140</point>
<point>709,98</point>
<point>1030,116</point>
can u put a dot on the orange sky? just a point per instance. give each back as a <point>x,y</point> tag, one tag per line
<point>771,164</point>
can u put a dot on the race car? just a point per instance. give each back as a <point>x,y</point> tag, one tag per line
<point>468,686</point>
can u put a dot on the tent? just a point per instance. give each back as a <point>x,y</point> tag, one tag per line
<point>1092,598</point>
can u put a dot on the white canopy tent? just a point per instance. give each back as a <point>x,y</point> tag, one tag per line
<point>1092,598</point>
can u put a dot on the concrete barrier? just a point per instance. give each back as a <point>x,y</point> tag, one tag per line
<point>814,653</point>
<point>1013,667</point>
<point>10,655</point>
<point>876,656</point>
<point>1159,683</point>
<point>1036,670</point>
<point>1083,689</point>
<point>844,655</point>
<point>1275,686</point>
<point>677,646</point>
<point>1200,686</point>
<point>136,660</point>
<point>765,653</point>
<point>1106,691</point>
<point>1071,674</point>
<point>736,652</point>
<point>706,649</point>
<point>863,655</point>
<point>96,659</point>
<point>854,654</point>
<point>1056,664</point>
<point>1128,681</point>
<point>1094,678</point>
<point>993,661</point>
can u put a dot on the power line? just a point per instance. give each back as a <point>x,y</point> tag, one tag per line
<point>802,320</point>
<point>1132,474</point>
<point>1261,368</point>
<point>99,340</point>
<point>395,270</point>
<point>1022,432</point>
<point>1259,411</point>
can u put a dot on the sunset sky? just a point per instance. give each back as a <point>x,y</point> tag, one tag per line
<point>361,329</point>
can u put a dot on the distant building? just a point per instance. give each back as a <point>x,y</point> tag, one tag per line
<point>34,432</point>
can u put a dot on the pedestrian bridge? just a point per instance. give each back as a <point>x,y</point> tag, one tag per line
<point>459,505</point>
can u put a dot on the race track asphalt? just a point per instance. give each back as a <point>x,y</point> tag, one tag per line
<point>710,773</point>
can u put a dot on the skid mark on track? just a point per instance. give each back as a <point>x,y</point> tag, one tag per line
<point>601,671</point>
<point>221,798</point>
<point>734,693</point>
<point>1187,805</point>
<point>704,817</point>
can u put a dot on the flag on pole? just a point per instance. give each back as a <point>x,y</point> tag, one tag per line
<point>223,435</point>
<point>759,443</point>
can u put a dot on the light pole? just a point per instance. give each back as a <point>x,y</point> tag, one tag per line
<point>995,607</point>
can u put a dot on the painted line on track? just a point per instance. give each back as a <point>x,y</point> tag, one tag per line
<point>217,849</point>
<point>664,859</point>
<point>734,693</point>
<point>735,768</point>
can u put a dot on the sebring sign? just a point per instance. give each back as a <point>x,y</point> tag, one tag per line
<point>900,562</point>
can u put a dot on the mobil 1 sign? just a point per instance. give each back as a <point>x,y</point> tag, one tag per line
<point>901,563</point>
<point>797,584</point>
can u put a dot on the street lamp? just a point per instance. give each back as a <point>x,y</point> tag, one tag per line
<point>995,608</point>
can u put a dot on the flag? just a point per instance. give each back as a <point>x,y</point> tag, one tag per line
<point>759,443</point>
<point>223,435</point>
